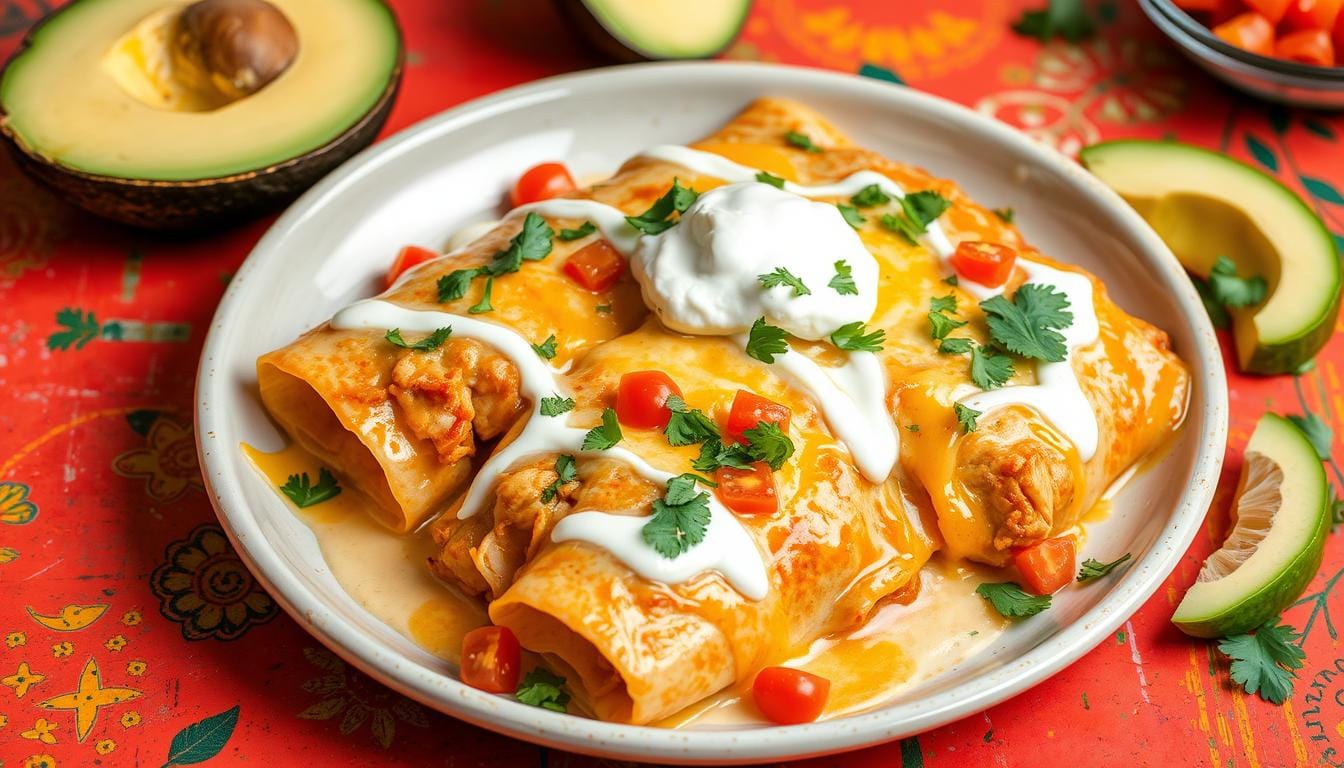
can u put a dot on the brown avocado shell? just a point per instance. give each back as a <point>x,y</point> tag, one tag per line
<point>198,203</point>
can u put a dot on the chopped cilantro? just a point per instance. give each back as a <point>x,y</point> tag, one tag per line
<point>454,284</point>
<point>951,280</point>
<point>869,196</point>
<point>1005,214</point>
<point>602,437</point>
<point>554,406</point>
<point>774,181</point>
<point>1095,569</point>
<point>843,282</point>
<point>767,442</point>
<point>541,688</point>
<point>912,427</point>
<point>955,346</point>
<point>1231,291</point>
<point>484,304</point>
<point>966,417</point>
<point>532,243</point>
<point>1217,312</point>
<point>546,349</point>
<point>990,370</point>
<point>1028,325</point>
<point>782,276</point>
<point>303,493</point>
<point>766,341</point>
<point>940,324</point>
<point>852,216</point>
<point>1010,600</point>
<point>946,303</point>
<point>679,518</point>
<point>1263,663</point>
<point>1068,19</point>
<point>714,454</point>
<point>918,210</point>
<point>564,473</point>
<point>655,219</point>
<point>801,141</point>
<point>851,337</point>
<point>688,426</point>
<point>432,341</point>
<point>603,308</point>
<point>583,231</point>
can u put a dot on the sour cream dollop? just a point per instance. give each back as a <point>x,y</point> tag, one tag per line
<point>701,276</point>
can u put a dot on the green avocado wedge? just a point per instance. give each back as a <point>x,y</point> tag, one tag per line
<point>1281,517</point>
<point>1206,205</point>
<point>652,30</point>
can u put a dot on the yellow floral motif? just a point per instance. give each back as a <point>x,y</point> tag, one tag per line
<point>87,699</point>
<point>40,761</point>
<point>4,720</point>
<point>41,731</point>
<point>130,719</point>
<point>63,649</point>
<point>346,692</point>
<point>136,668</point>
<point>115,643</point>
<point>8,555</point>
<point>167,462</point>
<point>105,747</point>
<point>15,639</point>
<point>22,680</point>
<point>131,618</point>
<point>71,618</point>
<point>15,508</point>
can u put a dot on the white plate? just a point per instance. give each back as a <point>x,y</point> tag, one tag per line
<point>334,244</point>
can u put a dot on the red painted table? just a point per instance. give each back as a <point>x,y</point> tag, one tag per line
<point>127,618</point>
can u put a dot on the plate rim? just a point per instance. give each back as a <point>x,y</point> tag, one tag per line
<point>728,745</point>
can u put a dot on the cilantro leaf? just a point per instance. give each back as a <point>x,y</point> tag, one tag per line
<point>782,276</point>
<point>1095,569</point>
<point>951,280</point>
<point>801,141</point>
<point>1006,215</point>
<point>1068,19</point>
<point>1217,312</point>
<point>1263,663</point>
<point>687,426</point>
<point>918,210</point>
<point>966,417</point>
<point>869,196</point>
<point>767,442</point>
<point>602,437</point>
<point>955,346</point>
<point>912,427</point>
<point>484,304</point>
<point>851,337</point>
<point>1232,291</point>
<point>990,370</point>
<point>564,473</point>
<point>1028,324</point>
<point>766,178</point>
<point>766,341</point>
<point>532,243</point>
<point>1010,600</point>
<point>541,688</point>
<point>852,216</point>
<point>584,230</point>
<point>603,308</point>
<point>303,493</point>
<point>940,325</point>
<point>432,341</point>
<point>714,454</point>
<point>546,349</point>
<point>679,519</point>
<point>843,282</point>
<point>946,303</point>
<point>454,284</point>
<point>655,219</point>
<point>1317,431</point>
<point>554,406</point>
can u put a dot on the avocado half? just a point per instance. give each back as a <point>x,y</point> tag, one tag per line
<point>91,107</point>
<point>648,30</point>
<point>1204,204</point>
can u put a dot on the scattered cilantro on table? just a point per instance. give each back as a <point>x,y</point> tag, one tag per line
<point>1263,662</point>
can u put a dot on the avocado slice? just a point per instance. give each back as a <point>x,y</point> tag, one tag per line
<point>640,30</point>
<point>149,111</point>
<point>1205,204</point>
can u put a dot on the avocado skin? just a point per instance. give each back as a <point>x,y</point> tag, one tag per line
<point>198,204</point>
<point>586,23</point>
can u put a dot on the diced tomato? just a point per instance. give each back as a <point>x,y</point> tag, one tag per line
<point>750,409</point>
<point>1338,37</point>
<point>542,182</point>
<point>1204,6</point>
<point>491,659</point>
<point>1310,46</point>
<point>1270,9</point>
<point>1312,14</point>
<point>641,399</point>
<point>409,256</point>
<point>1046,567</point>
<point>747,491</point>
<point>1249,32</point>
<point>596,266</point>
<point>790,696</point>
<point>989,264</point>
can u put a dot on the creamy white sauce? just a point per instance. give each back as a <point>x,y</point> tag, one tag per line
<point>726,548</point>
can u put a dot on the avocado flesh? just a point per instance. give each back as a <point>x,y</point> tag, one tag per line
<point>668,29</point>
<point>61,103</point>
<point>1205,205</point>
